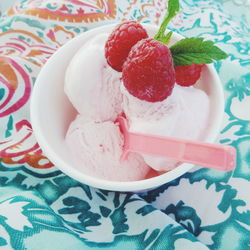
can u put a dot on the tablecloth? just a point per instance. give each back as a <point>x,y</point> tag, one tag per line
<point>42,208</point>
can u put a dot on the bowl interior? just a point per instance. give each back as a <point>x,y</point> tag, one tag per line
<point>51,114</point>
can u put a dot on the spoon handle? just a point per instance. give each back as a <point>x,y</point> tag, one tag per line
<point>214,156</point>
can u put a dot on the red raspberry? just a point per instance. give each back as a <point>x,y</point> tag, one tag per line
<point>188,75</point>
<point>121,40</point>
<point>148,73</point>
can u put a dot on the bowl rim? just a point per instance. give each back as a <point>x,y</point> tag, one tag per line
<point>125,186</point>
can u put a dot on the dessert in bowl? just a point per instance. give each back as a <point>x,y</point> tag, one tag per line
<point>53,116</point>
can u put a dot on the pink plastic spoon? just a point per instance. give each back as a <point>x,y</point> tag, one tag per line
<point>214,156</point>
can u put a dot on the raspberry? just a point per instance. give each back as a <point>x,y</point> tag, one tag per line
<point>121,41</point>
<point>148,72</point>
<point>187,75</point>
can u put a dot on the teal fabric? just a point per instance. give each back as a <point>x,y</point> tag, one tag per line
<point>42,208</point>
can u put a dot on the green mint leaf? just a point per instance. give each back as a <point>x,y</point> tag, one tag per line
<point>195,50</point>
<point>173,9</point>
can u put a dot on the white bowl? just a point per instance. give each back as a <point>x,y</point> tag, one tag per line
<point>51,114</point>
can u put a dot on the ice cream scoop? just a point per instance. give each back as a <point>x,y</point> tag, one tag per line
<point>94,91</point>
<point>219,157</point>
<point>184,114</point>
<point>97,148</point>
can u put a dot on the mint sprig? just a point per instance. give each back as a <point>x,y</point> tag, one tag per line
<point>195,50</point>
<point>173,9</point>
<point>188,50</point>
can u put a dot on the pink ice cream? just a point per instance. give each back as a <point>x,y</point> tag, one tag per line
<point>98,148</point>
<point>184,114</point>
<point>93,137</point>
<point>97,93</point>
<point>91,85</point>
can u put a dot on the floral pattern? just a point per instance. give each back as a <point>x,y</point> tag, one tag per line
<point>41,208</point>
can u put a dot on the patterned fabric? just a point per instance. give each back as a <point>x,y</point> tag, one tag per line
<point>41,208</point>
